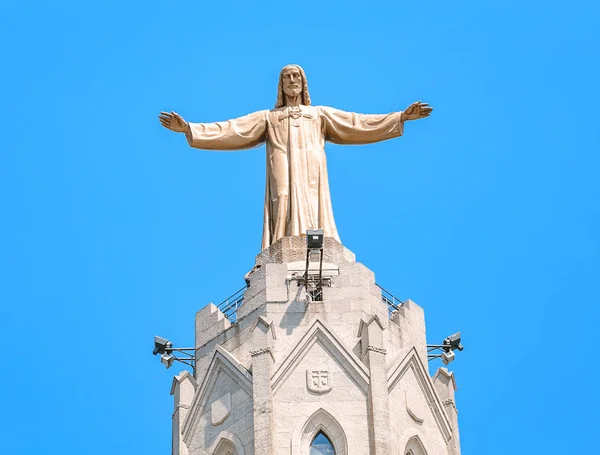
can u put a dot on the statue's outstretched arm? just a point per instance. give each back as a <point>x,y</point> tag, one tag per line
<point>236,134</point>
<point>343,127</point>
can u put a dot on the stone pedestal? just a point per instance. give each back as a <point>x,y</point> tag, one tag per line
<point>289,367</point>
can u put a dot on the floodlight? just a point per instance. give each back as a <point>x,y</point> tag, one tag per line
<point>161,345</point>
<point>447,348</point>
<point>314,239</point>
<point>165,348</point>
<point>453,342</point>
<point>447,357</point>
<point>167,360</point>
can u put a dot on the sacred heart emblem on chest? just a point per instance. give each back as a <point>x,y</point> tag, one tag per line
<point>295,113</point>
<point>319,381</point>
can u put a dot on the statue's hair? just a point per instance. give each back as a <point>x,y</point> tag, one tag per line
<point>281,96</point>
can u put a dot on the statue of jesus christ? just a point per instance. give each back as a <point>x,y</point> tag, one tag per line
<point>297,191</point>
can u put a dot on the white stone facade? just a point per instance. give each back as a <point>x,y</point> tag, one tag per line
<point>290,368</point>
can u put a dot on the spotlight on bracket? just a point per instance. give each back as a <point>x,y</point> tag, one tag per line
<point>161,345</point>
<point>314,239</point>
<point>167,352</point>
<point>445,351</point>
<point>314,253</point>
<point>167,360</point>
<point>453,342</point>
<point>446,357</point>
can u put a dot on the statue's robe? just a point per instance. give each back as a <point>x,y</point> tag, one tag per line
<point>297,194</point>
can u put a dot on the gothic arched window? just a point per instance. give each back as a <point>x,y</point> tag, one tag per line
<point>321,445</point>
<point>321,434</point>
<point>415,447</point>
<point>225,447</point>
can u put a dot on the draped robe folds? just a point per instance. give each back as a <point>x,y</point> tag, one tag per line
<point>297,194</point>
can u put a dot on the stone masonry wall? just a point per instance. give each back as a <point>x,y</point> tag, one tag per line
<point>327,372</point>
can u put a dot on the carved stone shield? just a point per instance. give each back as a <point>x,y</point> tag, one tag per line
<point>416,407</point>
<point>319,381</point>
<point>220,409</point>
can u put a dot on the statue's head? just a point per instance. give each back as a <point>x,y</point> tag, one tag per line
<point>292,82</point>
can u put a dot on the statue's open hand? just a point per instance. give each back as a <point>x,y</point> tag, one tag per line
<point>416,111</point>
<point>173,121</point>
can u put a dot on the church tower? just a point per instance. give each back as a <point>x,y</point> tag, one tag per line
<point>313,358</point>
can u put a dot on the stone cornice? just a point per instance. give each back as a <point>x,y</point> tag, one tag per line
<point>261,351</point>
<point>376,349</point>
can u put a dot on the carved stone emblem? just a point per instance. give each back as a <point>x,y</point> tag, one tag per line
<point>416,407</point>
<point>319,381</point>
<point>220,409</point>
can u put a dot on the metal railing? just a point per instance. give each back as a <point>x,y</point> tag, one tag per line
<point>230,305</point>
<point>393,303</point>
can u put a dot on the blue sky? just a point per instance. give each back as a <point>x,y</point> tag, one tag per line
<point>486,213</point>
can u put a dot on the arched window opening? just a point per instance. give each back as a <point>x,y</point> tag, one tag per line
<point>308,440</point>
<point>226,443</point>
<point>321,445</point>
<point>225,447</point>
<point>415,447</point>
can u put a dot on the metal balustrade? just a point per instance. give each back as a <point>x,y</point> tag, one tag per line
<point>393,303</point>
<point>230,305</point>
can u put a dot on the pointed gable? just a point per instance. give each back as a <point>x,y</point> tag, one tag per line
<point>320,334</point>
<point>411,364</point>
<point>181,378</point>
<point>265,325</point>
<point>446,377</point>
<point>365,324</point>
<point>224,367</point>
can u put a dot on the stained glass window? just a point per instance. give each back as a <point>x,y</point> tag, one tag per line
<point>321,445</point>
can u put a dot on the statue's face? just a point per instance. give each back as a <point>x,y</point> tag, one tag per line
<point>292,82</point>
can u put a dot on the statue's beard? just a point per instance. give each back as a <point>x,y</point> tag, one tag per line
<point>292,91</point>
